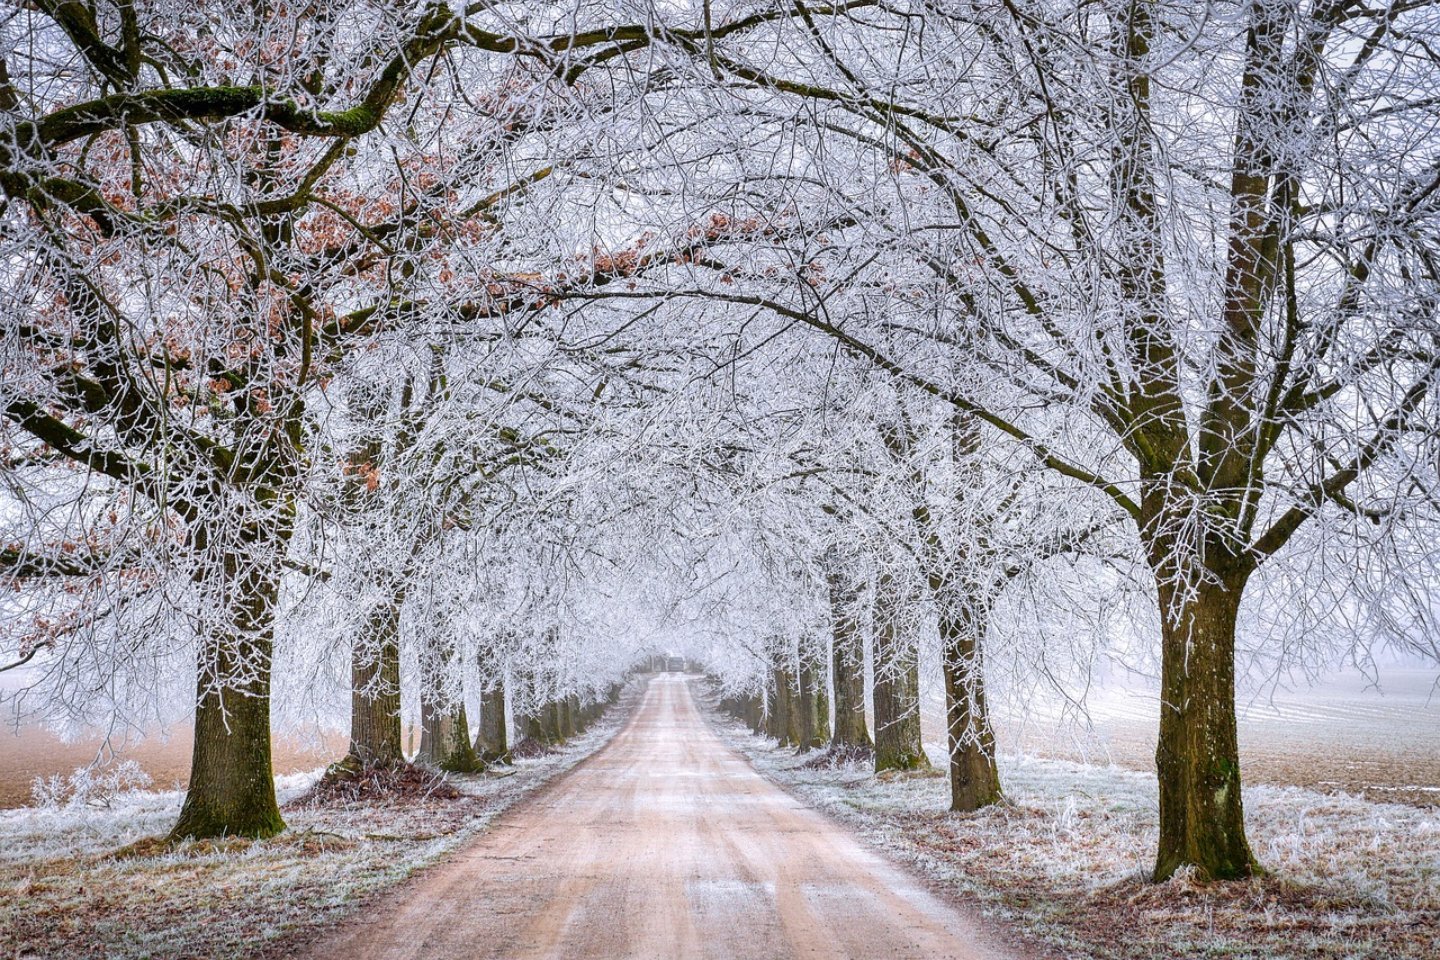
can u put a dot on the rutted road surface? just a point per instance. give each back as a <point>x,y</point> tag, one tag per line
<point>664,845</point>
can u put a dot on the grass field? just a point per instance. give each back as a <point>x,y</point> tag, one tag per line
<point>1341,735</point>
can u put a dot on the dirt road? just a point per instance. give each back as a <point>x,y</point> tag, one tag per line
<point>664,845</point>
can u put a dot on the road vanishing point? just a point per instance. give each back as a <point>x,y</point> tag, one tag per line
<point>665,844</point>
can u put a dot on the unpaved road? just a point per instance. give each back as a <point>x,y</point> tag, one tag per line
<point>664,845</point>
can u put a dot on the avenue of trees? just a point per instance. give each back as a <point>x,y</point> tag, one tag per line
<point>357,354</point>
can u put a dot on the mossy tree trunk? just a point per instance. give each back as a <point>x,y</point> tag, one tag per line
<point>232,782</point>
<point>822,709</point>
<point>963,603</point>
<point>847,667</point>
<point>897,686</point>
<point>564,728</point>
<point>1202,819</point>
<point>974,775</point>
<point>445,738</point>
<point>444,728</point>
<point>531,726</point>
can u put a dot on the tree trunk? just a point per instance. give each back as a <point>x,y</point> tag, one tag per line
<point>822,709</point>
<point>814,701</point>
<point>375,735</point>
<point>493,745</point>
<point>848,667</point>
<point>896,690</point>
<point>781,695</point>
<point>535,727</point>
<point>806,710</point>
<point>755,713</point>
<point>445,739</point>
<point>1202,820</point>
<point>793,721</point>
<point>444,730</point>
<point>974,776</point>
<point>551,723</point>
<point>232,783</point>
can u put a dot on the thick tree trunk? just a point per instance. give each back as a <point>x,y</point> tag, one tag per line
<point>573,720</point>
<point>822,709</point>
<point>232,784</point>
<point>896,691</point>
<point>814,701</point>
<point>552,723</point>
<point>445,739</point>
<point>807,727</point>
<point>375,735</point>
<point>848,667</point>
<point>782,711</point>
<point>1202,820</point>
<point>535,727</point>
<point>755,713</point>
<point>974,776</point>
<point>492,744</point>
<point>444,730</point>
<point>793,720</point>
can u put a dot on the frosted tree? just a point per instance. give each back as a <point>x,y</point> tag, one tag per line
<point>208,209</point>
<point>170,306</point>
<point>1237,348</point>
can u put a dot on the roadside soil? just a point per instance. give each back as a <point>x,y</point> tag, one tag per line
<point>666,843</point>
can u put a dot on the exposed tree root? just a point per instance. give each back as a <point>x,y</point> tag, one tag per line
<point>158,846</point>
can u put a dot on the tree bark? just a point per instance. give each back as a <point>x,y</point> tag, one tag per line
<point>444,730</point>
<point>814,702</point>
<point>848,667</point>
<point>535,727</point>
<point>755,713</point>
<point>896,690</point>
<point>793,720</point>
<point>552,723</point>
<point>573,721</point>
<point>782,713</point>
<point>806,711</point>
<point>822,709</point>
<point>1202,819</point>
<point>492,744</point>
<point>232,783</point>
<point>974,776</point>
<point>445,739</point>
<point>375,734</point>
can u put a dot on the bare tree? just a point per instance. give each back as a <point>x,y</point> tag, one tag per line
<point>1231,351</point>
